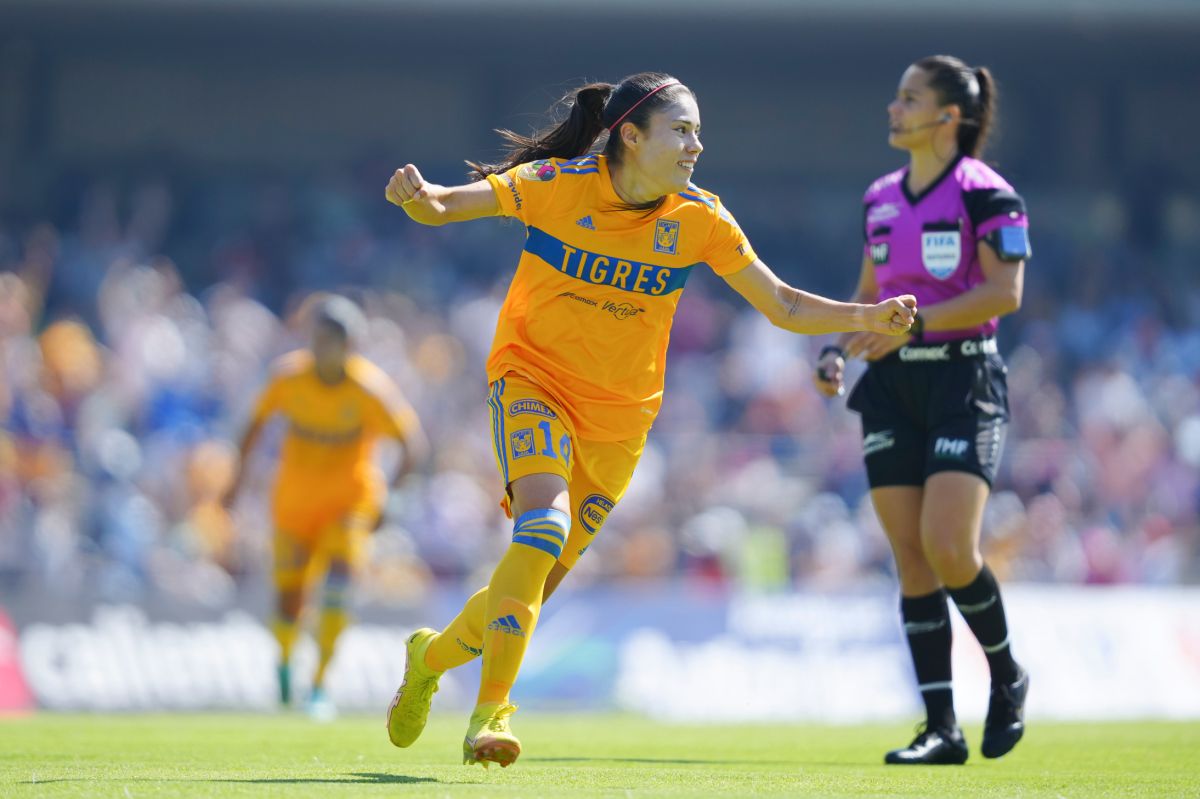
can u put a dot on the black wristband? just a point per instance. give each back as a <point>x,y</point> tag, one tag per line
<point>828,348</point>
<point>917,330</point>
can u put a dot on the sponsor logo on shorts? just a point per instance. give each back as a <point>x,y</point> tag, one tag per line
<point>522,442</point>
<point>594,511</point>
<point>953,448</point>
<point>531,406</point>
<point>878,441</point>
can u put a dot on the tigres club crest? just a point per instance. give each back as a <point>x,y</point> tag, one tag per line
<point>666,236</point>
<point>538,170</point>
<point>522,442</point>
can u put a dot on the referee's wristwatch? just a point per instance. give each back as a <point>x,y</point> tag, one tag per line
<point>917,330</point>
<point>834,348</point>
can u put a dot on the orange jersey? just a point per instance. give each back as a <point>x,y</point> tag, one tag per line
<point>589,312</point>
<point>332,429</point>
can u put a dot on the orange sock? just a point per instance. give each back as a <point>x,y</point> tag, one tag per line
<point>514,598</point>
<point>333,622</point>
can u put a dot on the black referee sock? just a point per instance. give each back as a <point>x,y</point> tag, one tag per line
<point>927,627</point>
<point>983,610</point>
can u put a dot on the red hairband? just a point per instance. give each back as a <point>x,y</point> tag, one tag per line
<point>645,97</point>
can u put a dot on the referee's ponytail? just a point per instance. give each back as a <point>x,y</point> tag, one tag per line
<point>973,90</point>
<point>972,139</point>
<point>591,110</point>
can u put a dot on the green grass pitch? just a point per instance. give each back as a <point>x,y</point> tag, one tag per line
<point>571,756</point>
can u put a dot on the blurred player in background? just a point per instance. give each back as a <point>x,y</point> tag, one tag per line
<point>329,493</point>
<point>934,404</point>
<point>576,368</point>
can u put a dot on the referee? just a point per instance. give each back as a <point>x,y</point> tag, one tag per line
<point>934,405</point>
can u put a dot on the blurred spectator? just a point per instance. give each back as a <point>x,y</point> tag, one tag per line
<point>123,374</point>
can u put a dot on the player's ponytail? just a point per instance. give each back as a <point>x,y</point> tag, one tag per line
<point>972,90</point>
<point>571,138</point>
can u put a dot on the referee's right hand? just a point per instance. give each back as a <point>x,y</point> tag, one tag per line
<point>829,376</point>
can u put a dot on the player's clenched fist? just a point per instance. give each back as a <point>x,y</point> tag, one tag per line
<point>406,185</point>
<point>894,316</point>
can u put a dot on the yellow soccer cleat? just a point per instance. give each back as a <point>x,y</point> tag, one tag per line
<point>409,710</point>
<point>489,739</point>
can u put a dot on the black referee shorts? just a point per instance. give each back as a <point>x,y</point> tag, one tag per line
<point>933,408</point>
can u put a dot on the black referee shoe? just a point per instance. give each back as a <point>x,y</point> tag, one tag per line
<point>1005,722</point>
<point>933,746</point>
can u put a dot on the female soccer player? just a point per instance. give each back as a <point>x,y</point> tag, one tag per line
<point>934,405</point>
<point>328,493</point>
<point>576,369</point>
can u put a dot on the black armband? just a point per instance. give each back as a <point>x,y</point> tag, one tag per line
<point>835,349</point>
<point>1010,242</point>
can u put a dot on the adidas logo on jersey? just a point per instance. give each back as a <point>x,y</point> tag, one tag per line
<point>508,624</point>
<point>586,222</point>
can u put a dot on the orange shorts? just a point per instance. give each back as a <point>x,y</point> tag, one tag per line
<point>300,564</point>
<point>305,506</point>
<point>331,524</point>
<point>532,435</point>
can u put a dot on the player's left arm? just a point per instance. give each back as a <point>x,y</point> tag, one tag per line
<point>801,312</point>
<point>998,294</point>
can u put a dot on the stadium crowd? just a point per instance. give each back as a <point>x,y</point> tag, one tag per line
<point>136,326</point>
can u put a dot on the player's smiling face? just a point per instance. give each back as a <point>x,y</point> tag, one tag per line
<point>666,154</point>
<point>913,115</point>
